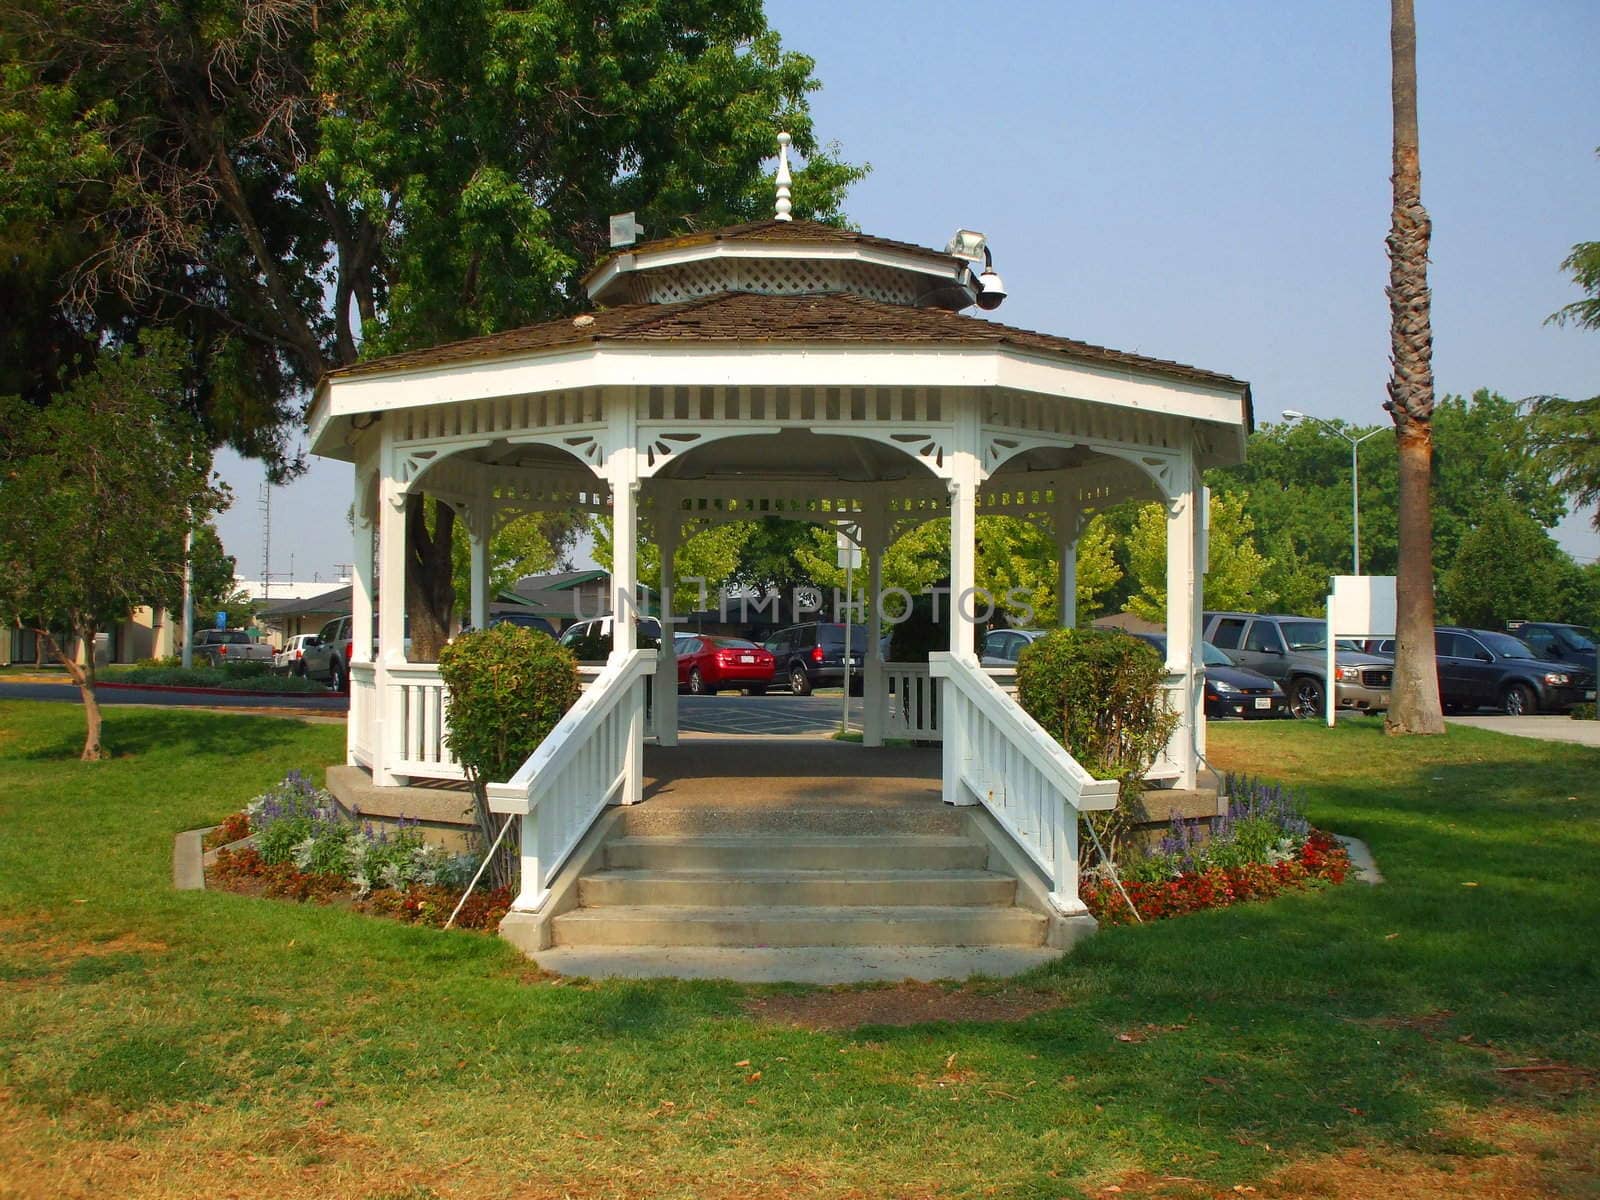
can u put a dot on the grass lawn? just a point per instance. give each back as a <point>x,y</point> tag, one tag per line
<point>1348,1042</point>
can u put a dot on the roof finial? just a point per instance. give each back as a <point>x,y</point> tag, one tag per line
<point>784,179</point>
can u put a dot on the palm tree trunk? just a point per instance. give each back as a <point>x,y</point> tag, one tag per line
<point>1414,699</point>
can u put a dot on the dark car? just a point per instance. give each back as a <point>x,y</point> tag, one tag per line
<point>1481,668</point>
<point>708,665</point>
<point>812,656</point>
<point>1294,651</point>
<point>1556,641</point>
<point>1231,691</point>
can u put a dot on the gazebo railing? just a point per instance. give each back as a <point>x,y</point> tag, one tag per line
<point>416,717</point>
<point>593,757</point>
<point>363,713</point>
<point>998,756</point>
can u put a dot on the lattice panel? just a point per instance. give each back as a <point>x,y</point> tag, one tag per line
<point>876,283</point>
<point>686,282</point>
<point>774,277</point>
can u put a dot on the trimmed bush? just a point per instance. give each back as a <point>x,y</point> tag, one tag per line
<point>508,688</point>
<point>1098,693</point>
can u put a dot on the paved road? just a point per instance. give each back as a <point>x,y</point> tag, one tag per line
<point>326,702</point>
<point>773,714</point>
<point>1550,729</point>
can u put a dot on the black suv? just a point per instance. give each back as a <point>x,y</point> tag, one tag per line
<point>1555,641</point>
<point>812,656</point>
<point>1481,668</point>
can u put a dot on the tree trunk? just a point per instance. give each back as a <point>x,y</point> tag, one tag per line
<point>1414,698</point>
<point>83,676</point>
<point>430,580</point>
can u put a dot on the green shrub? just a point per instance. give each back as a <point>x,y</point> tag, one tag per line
<point>246,669</point>
<point>1098,693</point>
<point>508,687</point>
<point>1582,712</point>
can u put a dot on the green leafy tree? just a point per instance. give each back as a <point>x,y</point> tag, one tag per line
<point>1236,568</point>
<point>1510,567</point>
<point>1583,264</point>
<point>301,184</point>
<point>527,545</point>
<point>91,487</point>
<point>709,553</point>
<point>1566,436</point>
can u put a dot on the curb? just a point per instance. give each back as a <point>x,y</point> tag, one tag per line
<point>190,858</point>
<point>206,691</point>
<point>1362,865</point>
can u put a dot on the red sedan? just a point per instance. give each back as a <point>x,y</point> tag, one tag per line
<point>708,664</point>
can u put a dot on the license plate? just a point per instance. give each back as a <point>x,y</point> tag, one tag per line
<point>1263,701</point>
<point>750,658</point>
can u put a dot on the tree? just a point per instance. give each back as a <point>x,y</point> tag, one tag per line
<point>1583,264</point>
<point>1234,572</point>
<point>300,184</point>
<point>1414,698</point>
<point>91,488</point>
<point>1566,435</point>
<point>527,545</point>
<point>704,564</point>
<point>1507,567</point>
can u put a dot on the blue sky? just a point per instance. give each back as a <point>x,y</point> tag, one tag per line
<point>1202,182</point>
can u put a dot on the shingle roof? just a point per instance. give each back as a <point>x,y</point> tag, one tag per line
<point>772,230</point>
<point>828,318</point>
<point>335,600</point>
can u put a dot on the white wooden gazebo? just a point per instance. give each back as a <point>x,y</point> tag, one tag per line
<point>780,368</point>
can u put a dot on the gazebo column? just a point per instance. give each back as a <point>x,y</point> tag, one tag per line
<point>622,473</point>
<point>874,687</point>
<point>480,526</point>
<point>388,729</point>
<point>1184,602</point>
<point>1069,524</point>
<point>964,477</point>
<point>666,680</point>
<point>365,704</point>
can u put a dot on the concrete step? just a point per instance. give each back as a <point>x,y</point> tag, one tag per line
<point>930,818</point>
<point>787,888</point>
<point>795,852</point>
<point>795,964</point>
<point>765,926</point>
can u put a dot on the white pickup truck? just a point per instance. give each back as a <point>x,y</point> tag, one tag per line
<point>218,647</point>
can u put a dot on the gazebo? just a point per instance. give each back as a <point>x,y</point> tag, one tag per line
<point>779,368</point>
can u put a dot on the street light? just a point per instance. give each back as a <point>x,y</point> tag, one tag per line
<point>1291,414</point>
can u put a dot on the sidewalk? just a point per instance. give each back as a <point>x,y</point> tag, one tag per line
<point>1549,729</point>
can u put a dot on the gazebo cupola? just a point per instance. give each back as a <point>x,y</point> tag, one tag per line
<point>785,257</point>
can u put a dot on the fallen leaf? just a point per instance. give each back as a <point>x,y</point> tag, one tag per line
<point>743,1062</point>
<point>753,1077</point>
<point>1469,884</point>
<point>1389,937</point>
<point>948,1062</point>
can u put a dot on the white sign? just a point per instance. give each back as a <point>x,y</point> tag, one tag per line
<point>849,552</point>
<point>1359,606</point>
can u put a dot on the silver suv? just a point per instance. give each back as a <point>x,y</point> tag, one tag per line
<point>1294,652</point>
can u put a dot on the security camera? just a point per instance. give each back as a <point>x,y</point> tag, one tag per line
<point>991,291</point>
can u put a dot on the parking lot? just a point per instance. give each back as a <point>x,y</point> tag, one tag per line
<point>774,715</point>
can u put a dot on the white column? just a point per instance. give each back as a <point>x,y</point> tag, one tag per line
<point>362,714</point>
<point>622,471</point>
<point>874,689</point>
<point>480,524</point>
<point>1069,522</point>
<point>965,475</point>
<point>1183,583</point>
<point>666,680</point>
<point>388,731</point>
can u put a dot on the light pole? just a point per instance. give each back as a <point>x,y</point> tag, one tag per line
<point>1291,414</point>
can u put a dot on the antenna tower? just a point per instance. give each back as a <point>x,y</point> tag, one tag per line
<point>265,506</point>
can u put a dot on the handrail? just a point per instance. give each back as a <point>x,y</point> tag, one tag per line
<point>1042,750</point>
<point>593,757</point>
<point>997,755</point>
<point>565,740</point>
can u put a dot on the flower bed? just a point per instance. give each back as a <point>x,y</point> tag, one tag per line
<point>304,850</point>
<point>1262,847</point>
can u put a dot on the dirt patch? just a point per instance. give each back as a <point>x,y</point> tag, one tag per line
<point>901,1004</point>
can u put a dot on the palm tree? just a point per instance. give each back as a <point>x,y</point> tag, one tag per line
<point>1414,701</point>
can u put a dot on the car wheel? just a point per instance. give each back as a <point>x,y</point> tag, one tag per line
<point>1306,698</point>
<point>1519,701</point>
<point>697,683</point>
<point>799,681</point>
<point>300,668</point>
<point>337,679</point>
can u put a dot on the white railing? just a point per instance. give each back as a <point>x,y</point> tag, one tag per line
<point>593,757</point>
<point>913,699</point>
<point>415,718</point>
<point>363,710</point>
<point>996,755</point>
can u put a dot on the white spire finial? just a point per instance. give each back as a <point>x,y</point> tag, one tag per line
<point>784,179</point>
